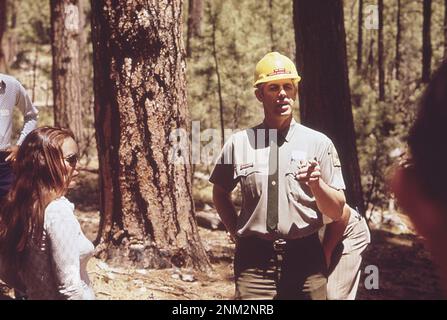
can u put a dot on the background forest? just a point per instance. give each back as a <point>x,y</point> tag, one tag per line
<point>392,48</point>
<point>228,38</point>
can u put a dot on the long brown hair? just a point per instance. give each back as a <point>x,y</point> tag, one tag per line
<point>41,176</point>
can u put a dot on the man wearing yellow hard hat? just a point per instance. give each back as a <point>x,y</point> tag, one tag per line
<point>291,184</point>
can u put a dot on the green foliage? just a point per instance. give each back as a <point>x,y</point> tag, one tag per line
<point>242,38</point>
<point>381,127</point>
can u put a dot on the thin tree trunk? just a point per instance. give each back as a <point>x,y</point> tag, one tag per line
<point>370,69</point>
<point>195,13</point>
<point>325,102</point>
<point>445,29</point>
<point>65,30</point>
<point>10,50</point>
<point>360,37</point>
<point>398,37</point>
<point>147,210</point>
<point>3,25</point>
<point>271,25</point>
<point>381,59</point>
<point>86,83</point>
<point>35,63</point>
<point>214,17</point>
<point>426,42</point>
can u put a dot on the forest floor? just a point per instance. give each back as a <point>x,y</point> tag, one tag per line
<point>405,269</point>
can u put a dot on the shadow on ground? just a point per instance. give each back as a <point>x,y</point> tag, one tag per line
<point>405,269</point>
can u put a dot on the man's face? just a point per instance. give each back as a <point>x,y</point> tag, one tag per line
<point>277,97</point>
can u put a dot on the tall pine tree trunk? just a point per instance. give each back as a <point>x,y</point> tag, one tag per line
<point>65,31</point>
<point>360,37</point>
<point>325,102</point>
<point>381,59</point>
<point>426,42</point>
<point>147,210</point>
<point>398,37</point>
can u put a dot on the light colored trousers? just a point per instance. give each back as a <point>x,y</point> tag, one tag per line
<point>344,272</point>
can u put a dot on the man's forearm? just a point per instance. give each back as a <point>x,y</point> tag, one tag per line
<point>334,233</point>
<point>329,201</point>
<point>225,209</point>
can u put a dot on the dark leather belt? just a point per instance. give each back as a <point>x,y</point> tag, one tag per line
<point>278,245</point>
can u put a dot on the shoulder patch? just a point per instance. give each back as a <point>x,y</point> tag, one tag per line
<point>334,157</point>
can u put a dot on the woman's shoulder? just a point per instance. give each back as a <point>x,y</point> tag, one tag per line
<point>60,208</point>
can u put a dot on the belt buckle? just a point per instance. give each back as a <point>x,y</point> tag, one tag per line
<point>279,245</point>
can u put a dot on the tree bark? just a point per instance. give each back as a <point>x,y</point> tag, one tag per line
<point>195,13</point>
<point>360,37</point>
<point>325,102</point>
<point>398,57</point>
<point>381,60</point>
<point>3,24</point>
<point>147,211</point>
<point>426,42</point>
<point>65,30</point>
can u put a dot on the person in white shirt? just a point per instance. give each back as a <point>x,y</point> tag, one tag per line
<point>12,94</point>
<point>43,251</point>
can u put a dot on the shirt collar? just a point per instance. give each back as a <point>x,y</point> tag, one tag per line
<point>286,134</point>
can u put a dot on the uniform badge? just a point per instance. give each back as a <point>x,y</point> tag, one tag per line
<point>246,166</point>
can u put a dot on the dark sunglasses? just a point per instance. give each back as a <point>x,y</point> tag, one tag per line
<point>72,160</point>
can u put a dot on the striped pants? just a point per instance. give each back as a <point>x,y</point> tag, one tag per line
<point>344,271</point>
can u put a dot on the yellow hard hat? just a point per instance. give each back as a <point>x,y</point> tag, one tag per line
<point>275,66</point>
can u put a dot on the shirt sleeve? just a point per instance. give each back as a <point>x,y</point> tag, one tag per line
<point>331,167</point>
<point>63,232</point>
<point>29,111</point>
<point>223,173</point>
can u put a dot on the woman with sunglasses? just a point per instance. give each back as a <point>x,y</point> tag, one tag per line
<point>420,182</point>
<point>41,242</point>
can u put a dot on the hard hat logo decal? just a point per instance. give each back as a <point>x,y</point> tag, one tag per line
<point>279,71</point>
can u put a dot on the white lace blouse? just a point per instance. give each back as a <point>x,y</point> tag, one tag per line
<point>57,269</point>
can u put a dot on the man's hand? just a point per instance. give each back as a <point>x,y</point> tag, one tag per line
<point>309,172</point>
<point>13,153</point>
<point>330,201</point>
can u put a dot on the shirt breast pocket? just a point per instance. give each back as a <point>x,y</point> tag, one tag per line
<point>297,192</point>
<point>251,180</point>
